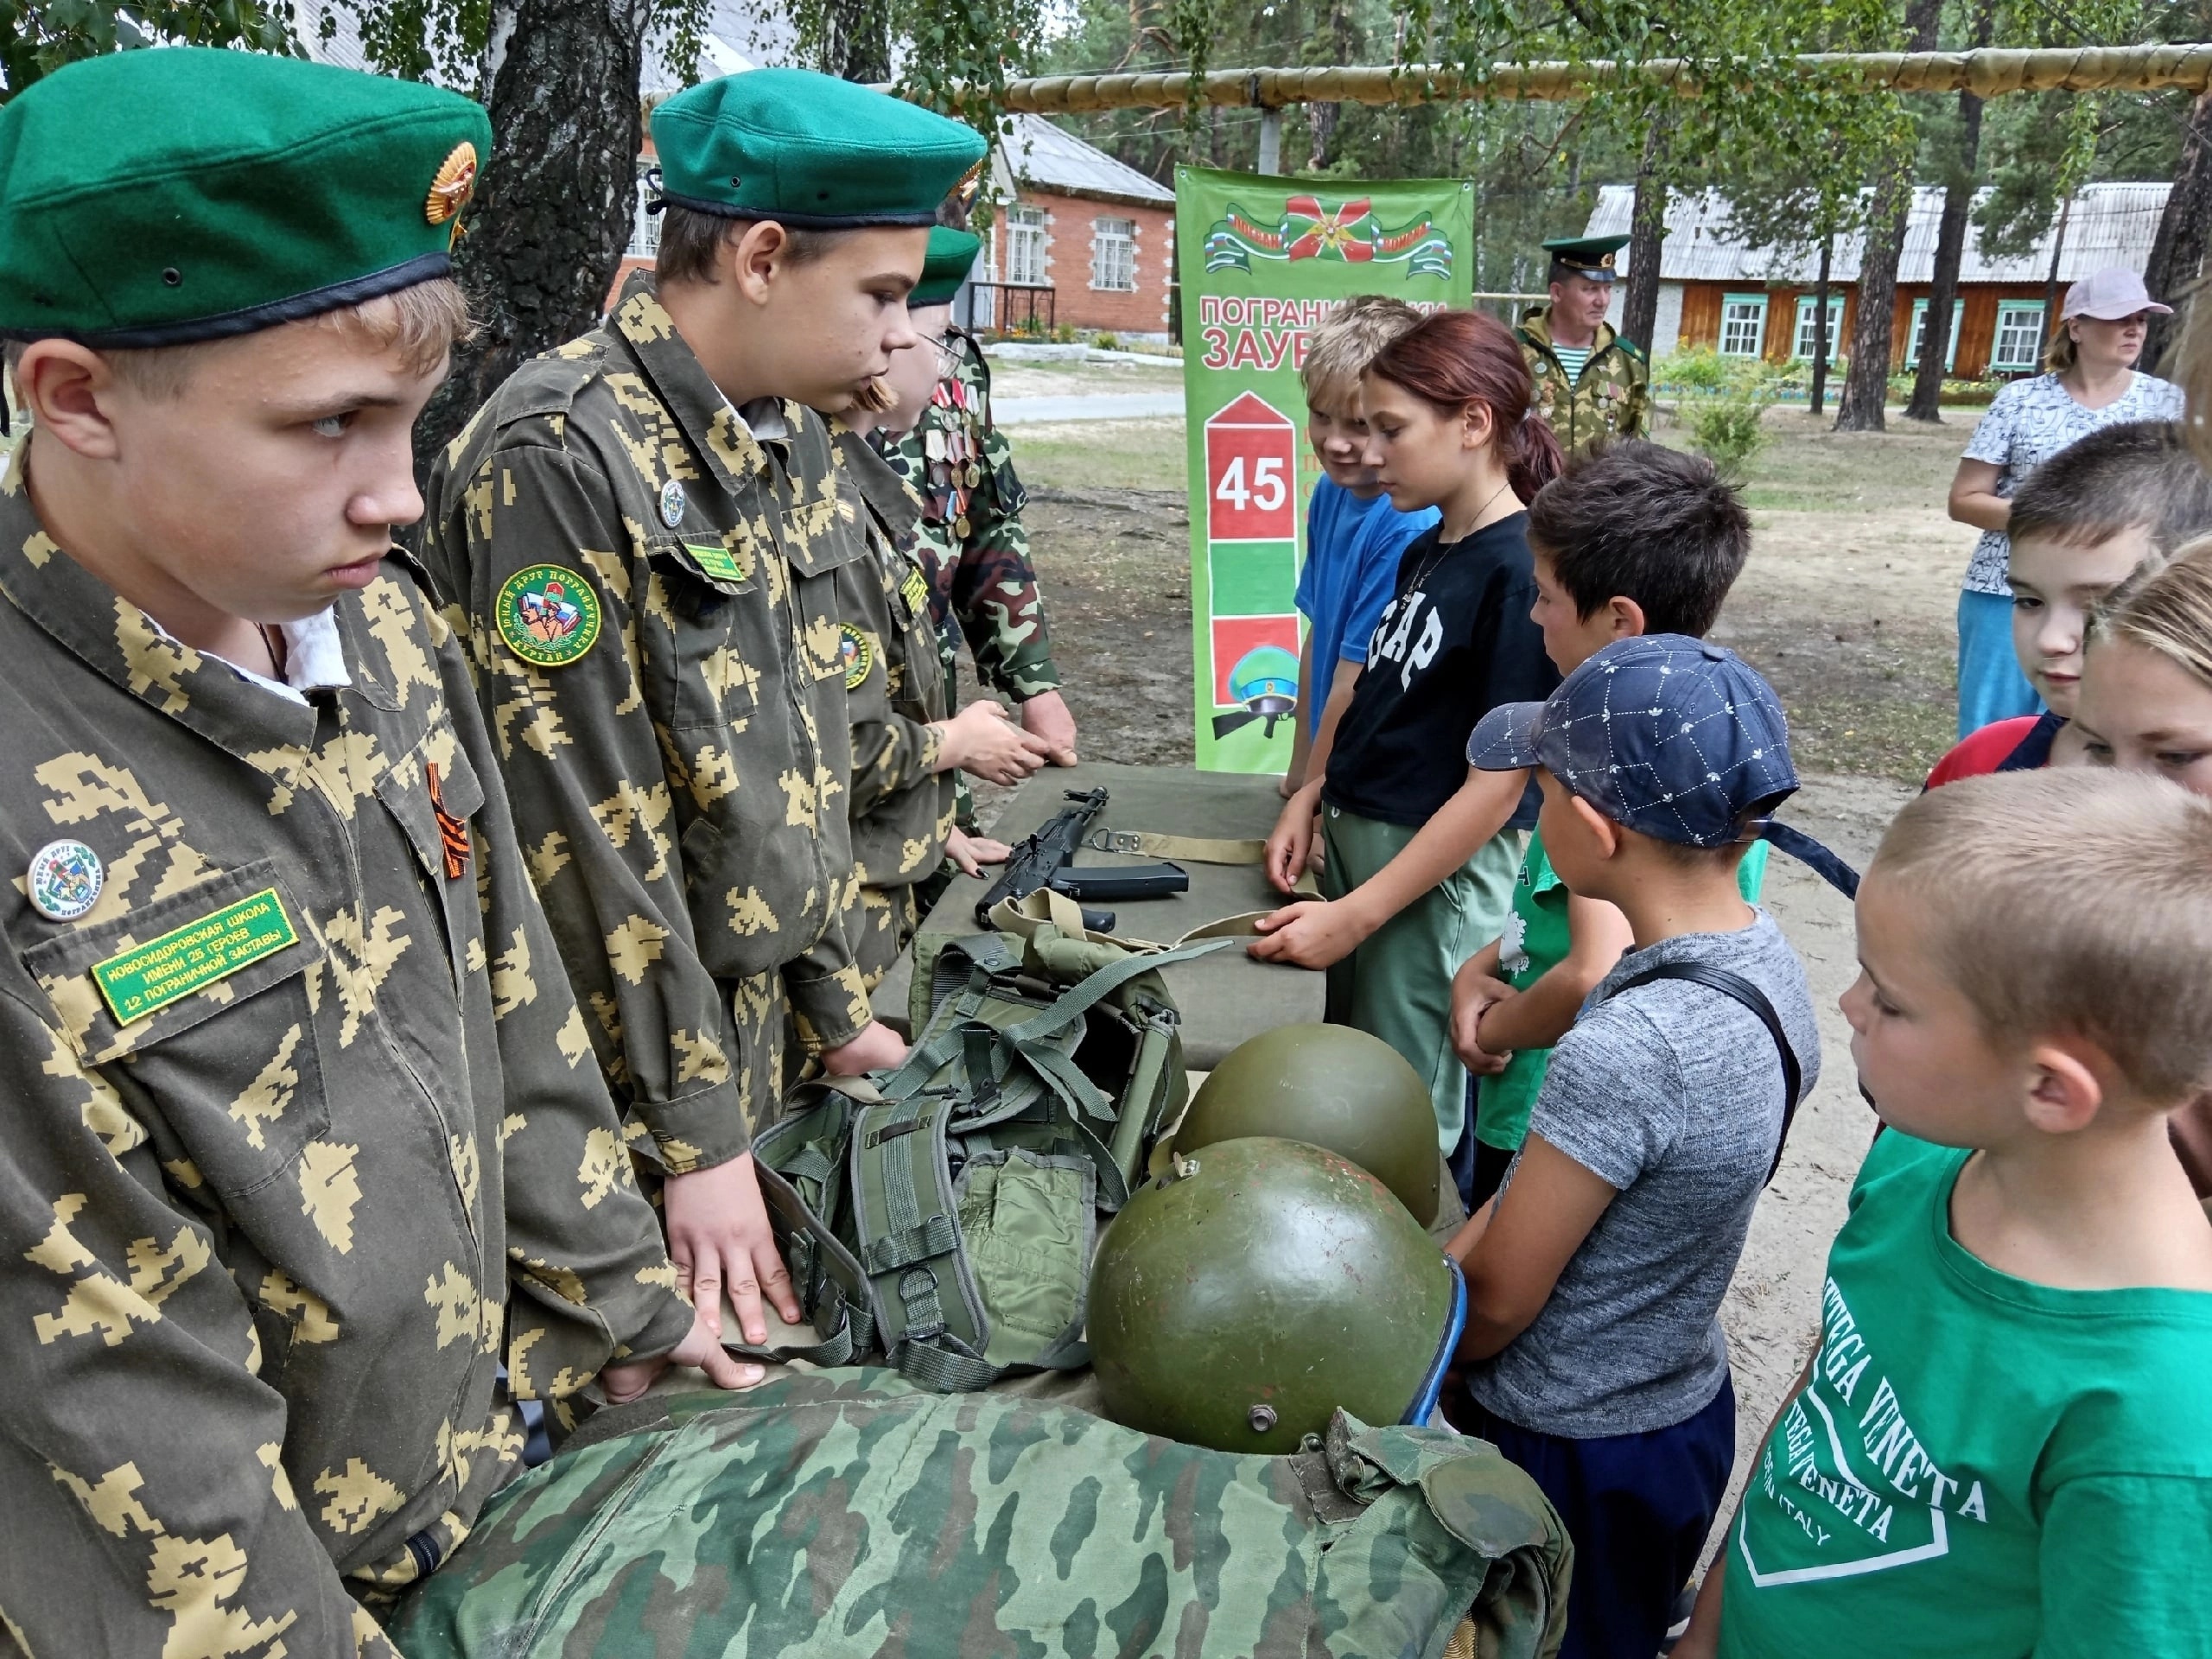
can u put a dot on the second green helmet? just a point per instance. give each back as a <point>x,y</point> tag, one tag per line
<point>1329,1086</point>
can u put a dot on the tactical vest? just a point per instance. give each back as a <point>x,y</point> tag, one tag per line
<point>943,1215</point>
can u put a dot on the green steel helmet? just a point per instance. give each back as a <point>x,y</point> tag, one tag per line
<point>1261,1284</point>
<point>1329,1086</point>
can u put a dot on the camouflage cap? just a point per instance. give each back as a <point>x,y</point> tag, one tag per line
<point>951,257</point>
<point>154,197</point>
<point>810,151</point>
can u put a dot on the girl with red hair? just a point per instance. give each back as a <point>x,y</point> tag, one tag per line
<point>1421,850</point>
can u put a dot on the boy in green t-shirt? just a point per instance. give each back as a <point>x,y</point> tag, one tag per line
<point>2002,1445</point>
<point>1631,538</point>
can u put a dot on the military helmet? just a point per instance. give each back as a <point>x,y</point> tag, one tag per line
<point>1330,1086</point>
<point>1257,1287</point>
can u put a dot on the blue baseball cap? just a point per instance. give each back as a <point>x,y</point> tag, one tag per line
<point>1676,738</point>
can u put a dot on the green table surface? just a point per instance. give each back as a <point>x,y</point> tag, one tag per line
<point>1225,997</point>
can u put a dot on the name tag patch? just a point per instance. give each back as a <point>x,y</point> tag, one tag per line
<point>915,591</point>
<point>147,978</point>
<point>716,561</point>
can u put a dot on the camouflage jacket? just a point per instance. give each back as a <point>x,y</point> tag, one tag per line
<point>1612,397</point>
<point>901,804</point>
<point>680,784</point>
<point>264,1242</point>
<point>971,539</point>
<point>849,1512</point>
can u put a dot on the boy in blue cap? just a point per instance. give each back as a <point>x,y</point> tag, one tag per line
<point>1595,1359</point>
<point>680,762</point>
<point>304,1145</point>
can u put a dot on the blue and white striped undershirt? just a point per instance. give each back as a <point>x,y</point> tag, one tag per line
<point>1572,358</point>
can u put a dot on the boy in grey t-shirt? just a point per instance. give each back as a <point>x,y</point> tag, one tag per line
<point>1594,1357</point>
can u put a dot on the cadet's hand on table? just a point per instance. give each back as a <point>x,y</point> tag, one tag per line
<point>1292,842</point>
<point>982,739</point>
<point>971,853</point>
<point>874,1048</point>
<point>1473,995</point>
<point>1045,717</point>
<point>719,1238</point>
<point>1313,933</point>
<point>702,1348</point>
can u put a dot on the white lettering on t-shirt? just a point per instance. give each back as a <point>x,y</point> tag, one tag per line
<point>1394,641</point>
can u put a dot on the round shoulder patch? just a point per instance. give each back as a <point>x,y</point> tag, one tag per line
<point>64,881</point>
<point>857,654</point>
<point>548,614</point>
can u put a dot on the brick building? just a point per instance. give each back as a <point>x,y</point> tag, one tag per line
<point>1719,291</point>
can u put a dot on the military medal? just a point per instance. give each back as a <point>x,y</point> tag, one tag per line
<point>671,503</point>
<point>547,615</point>
<point>64,880</point>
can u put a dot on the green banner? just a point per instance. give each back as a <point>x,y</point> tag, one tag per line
<point>1261,261</point>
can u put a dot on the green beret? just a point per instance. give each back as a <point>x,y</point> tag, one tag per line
<point>810,151</point>
<point>1584,256</point>
<point>154,197</point>
<point>951,257</point>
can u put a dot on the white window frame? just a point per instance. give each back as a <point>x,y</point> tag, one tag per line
<point>1114,254</point>
<point>644,227</point>
<point>1919,334</point>
<point>1748,308</point>
<point>2015,321</point>
<point>1801,338</point>
<point>1026,240</point>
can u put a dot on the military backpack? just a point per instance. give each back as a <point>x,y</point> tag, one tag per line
<point>943,1215</point>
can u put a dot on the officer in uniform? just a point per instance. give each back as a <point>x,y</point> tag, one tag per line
<point>972,542</point>
<point>1592,384</point>
<point>680,759</point>
<point>303,1137</point>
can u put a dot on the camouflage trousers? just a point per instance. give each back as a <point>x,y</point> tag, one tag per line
<point>846,1511</point>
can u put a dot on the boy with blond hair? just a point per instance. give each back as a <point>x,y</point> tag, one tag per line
<point>1354,537</point>
<point>2004,1442</point>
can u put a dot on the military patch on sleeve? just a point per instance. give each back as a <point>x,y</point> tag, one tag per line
<point>548,614</point>
<point>915,592</point>
<point>857,654</point>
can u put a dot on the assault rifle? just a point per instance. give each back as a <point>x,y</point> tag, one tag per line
<point>1046,859</point>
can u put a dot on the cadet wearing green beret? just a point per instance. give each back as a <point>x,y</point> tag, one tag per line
<point>304,1138</point>
<point>970,538</point>
<point>1592,384</point>
<point>643,531</point>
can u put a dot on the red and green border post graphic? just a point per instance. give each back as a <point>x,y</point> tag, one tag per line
<point>1262,261</point>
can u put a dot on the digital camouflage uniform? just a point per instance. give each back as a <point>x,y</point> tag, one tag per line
<point>902,807</point>
<point>267,1243</point>
<point>970,537</point>
<point>1612,398</point>
<point>679,785</point>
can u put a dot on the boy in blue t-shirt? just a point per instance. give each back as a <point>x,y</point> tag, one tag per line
<point>1353,535</point>
<point>2003,1444</point>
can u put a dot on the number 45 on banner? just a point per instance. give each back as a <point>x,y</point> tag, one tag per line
<point>1251,473</point>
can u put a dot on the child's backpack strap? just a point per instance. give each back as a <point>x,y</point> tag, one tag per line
<point>1738,989</point>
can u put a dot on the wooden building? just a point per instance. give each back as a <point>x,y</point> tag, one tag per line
<point>1717,290</point>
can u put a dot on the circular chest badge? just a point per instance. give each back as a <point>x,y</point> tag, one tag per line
<point>64,880</point>
<point>857,653</point>
<point>548,614</point>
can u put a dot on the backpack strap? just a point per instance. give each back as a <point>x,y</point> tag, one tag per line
<point>1738,989</point>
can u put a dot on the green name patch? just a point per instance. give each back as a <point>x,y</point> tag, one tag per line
<point>147,978</point>
<point>716,561</point>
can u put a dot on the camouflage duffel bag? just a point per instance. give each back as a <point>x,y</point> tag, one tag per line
<point>850,1513</point>
<point>941,1215</point>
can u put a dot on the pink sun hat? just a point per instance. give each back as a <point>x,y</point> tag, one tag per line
<point>2111,294</point>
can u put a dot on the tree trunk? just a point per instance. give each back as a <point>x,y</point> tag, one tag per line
<point>2051,324</point>
<point>553,213</point>
<point>2178,251</point>
<point>1821,326</point>
<point>856,40</point>
<point>1647,230</point>
<point>1867,385</point>
<point>1927,402</point>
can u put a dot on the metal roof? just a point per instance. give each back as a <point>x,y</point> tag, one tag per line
<point>1048,157</point>
<point>2107,225</point>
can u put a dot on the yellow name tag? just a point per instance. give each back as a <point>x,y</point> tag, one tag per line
<point>147,978</point>
<point>715,560</point>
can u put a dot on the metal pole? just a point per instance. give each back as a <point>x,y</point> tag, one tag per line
<point>1270,141</point>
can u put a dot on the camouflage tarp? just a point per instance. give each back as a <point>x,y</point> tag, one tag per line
<point>847,1512</point>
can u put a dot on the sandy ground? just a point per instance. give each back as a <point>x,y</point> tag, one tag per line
<point>1847,604</point>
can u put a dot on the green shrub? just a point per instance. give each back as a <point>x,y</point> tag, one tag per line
<point>1701,369</point>
<point>1107,342</point>
<point>1722,401</point>
<point>1064,334</point>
